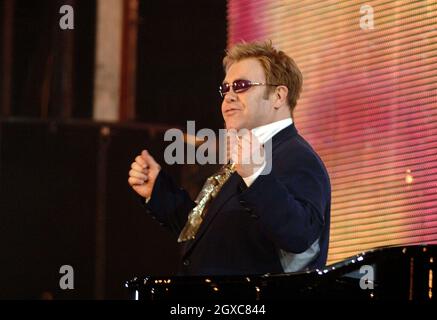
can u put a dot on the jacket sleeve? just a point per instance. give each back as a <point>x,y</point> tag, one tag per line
<point>169,204</point>
<point>290,207</point>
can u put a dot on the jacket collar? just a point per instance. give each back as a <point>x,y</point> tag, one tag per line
<point>285,134</point>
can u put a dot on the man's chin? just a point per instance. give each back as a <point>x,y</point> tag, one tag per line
<point>234,126</point>
<point>231,127</point>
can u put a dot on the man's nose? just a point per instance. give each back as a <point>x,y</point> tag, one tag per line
<point>231,96</point>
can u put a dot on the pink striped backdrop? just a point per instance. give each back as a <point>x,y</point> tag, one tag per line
<point>369,107</point>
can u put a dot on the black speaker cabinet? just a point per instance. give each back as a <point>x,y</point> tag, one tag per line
<point>65,201</point>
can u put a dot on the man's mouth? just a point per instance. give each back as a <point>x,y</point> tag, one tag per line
<point>231,112</point>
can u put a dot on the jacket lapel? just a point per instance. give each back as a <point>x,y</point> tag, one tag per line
<point>227,191</point>
<point>230,188</point>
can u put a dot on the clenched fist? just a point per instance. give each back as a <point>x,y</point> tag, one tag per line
<point>143,173</point>
<point>246,152</point>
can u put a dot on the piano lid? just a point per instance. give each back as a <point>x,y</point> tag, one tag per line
<point>386,273</point>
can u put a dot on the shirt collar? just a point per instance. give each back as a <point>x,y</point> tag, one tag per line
<point>266,132</point>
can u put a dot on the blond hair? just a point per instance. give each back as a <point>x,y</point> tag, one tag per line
<point>279,68</point>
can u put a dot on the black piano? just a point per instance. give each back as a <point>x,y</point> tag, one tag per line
<point>404,273</point>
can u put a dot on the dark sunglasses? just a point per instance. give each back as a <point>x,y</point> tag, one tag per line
<point>240,86</point>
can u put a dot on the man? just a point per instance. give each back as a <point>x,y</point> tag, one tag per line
<point>258,222</point>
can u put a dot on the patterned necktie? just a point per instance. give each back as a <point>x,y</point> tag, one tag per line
<point>209,191</point>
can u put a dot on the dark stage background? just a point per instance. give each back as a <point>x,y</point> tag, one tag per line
<point>64,197</point>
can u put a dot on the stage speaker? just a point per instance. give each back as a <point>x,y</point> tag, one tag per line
<point>65,201</point>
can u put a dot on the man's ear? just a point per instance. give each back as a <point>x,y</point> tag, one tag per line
<point>280,97</point>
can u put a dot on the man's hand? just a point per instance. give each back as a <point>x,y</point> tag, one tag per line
<point>246,152</point>
<point>143,174</point>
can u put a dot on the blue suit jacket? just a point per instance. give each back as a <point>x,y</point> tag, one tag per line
<point>245,227</point>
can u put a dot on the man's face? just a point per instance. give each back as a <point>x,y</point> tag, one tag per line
<point>248,109</point>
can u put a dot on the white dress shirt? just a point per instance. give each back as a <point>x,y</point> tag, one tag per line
<point>265,133</point>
